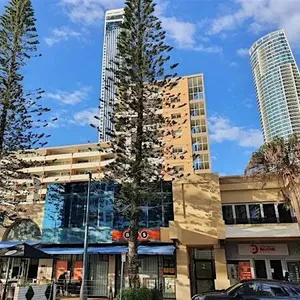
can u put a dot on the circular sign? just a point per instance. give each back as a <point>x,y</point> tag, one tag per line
<point>11,252</point>
<point>126,234</point>
<point>144,234</point>
<point>254,249</point>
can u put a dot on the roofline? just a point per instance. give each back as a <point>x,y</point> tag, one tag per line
<point>254,46</point>
<point>117,11</point>
<point>72,146</point>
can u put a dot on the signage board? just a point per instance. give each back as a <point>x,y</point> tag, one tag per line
<point>262,249</point>
<point>143,235</point>
<point>245,270</point>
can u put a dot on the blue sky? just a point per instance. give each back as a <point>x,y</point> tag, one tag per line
<point>209,36</point>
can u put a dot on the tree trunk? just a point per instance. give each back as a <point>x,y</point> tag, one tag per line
<point>133,263</point>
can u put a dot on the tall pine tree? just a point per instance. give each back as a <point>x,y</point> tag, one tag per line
<point>21,114</point>
<point>142,88</point>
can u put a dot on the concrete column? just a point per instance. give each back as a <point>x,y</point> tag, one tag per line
<point>183,291</point>
<point>111,272</point>
<point>221,281</point>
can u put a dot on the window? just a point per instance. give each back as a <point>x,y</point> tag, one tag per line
<point>175,99</point>
<point>284,214</point>
<point>177,133</point>
<point>269,213</point>
<point>228,214</point>
<point>200,143</point>
<point>177,150</point>
<point>195,88</point>
<point>197,109</point>
<point>268,290</point>
<point>201,162</point>
<point>198,126</point>
<point>246,289</point>
<point>178,168</point>
<point>255,213</point>
<point>176,116</point>
<point>241,214</point>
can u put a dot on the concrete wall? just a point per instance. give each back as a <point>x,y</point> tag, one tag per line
<point>198,211</point>
<point>239,189</point>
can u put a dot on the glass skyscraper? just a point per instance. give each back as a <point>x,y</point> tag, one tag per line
<point>113,19</point>
<point>277,83</point>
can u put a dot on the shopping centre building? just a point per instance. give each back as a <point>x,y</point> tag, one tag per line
<point>202,232</point>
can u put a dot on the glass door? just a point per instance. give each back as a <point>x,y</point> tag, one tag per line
<point>276,269</point>
<point>260,269</point>
<point>98,285</point>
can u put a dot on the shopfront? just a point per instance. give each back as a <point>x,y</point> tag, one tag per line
<point>278,260</point>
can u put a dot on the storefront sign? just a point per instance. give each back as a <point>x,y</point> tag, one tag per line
<point>245,270</point>
<point>263,249</point>
<point>143,235</point>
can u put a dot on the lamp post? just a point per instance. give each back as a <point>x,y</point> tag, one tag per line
<point>84,287</point>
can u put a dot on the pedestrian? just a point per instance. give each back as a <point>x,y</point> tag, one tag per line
<point>287,276</point>
<point>61,283</point>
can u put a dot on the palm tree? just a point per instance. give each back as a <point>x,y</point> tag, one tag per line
<point>280,160</point>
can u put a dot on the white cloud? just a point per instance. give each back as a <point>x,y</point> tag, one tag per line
<point>89,11</point>
<point>234,64</point>
<point>222,130</point>
<point>184,33</point>
<point>64,34</point>
<point>86,117</point>
<point>260,15</point>
<point>242,52</point>
<point>71,98</point>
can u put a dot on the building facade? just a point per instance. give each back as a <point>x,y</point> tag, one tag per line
<point>113,19</point>
<point>262,233</point>
<point>204,232</point>
<point>277,82</point>
<point>188,141</point>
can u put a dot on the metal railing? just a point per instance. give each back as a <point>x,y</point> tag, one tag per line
<point>93,288</point>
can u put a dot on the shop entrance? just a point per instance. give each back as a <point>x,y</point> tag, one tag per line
<point>202,271</point>
<point>260,269</point>
<point>276,269</point>
<point>263,266</point>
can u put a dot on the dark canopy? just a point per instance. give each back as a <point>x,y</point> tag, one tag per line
<point>23,251</point>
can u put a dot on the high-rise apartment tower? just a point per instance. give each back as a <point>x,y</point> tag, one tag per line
<point>113,19</point>
<point>277,83</point>
<point>188,141</point>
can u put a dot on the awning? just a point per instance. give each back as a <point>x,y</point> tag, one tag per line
<point>108,250</point>
<point>8,244</point>
<point>23,250</point>
<point>113,249</point>
<point>91,250</point>
<point>63,251</point>
<point>156,250</point>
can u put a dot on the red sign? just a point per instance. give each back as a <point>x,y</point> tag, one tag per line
<point>144,235</point>
<point>245,270</point>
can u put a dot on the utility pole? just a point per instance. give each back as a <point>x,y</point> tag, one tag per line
<point>84,286</point>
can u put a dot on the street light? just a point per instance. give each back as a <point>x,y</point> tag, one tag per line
<point>84,289</point>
